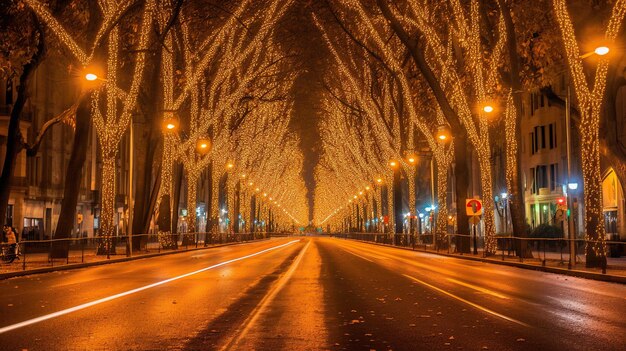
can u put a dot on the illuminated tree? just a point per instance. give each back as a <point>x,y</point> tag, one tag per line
<point>590,98</point>
<point>112,124</point>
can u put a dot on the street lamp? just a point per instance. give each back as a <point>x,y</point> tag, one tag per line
<point>488,108</point>
<point>93,75</point>
<point>504,197</point>
<point>170,122</point>
<point>203,145</point>
<point>600,51</point>
<point>443,131</point>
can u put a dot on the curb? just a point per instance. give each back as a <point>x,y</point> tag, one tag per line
<point>570,272</point>
<point>70,266</point>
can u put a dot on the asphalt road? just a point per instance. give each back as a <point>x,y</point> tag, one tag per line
<point>309,294</point>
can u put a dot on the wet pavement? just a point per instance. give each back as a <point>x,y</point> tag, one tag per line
<point>309,294</point>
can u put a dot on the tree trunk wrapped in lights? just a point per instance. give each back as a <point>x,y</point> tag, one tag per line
<point>443,161</point>
<point>193,175</point>
<point>107,209</point>
<point>590,102</point>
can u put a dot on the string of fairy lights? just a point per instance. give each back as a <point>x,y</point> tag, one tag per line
<point>234,58</point>
<point>590,99</point>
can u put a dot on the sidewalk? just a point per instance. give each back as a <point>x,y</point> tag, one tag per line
<point>34,263</point>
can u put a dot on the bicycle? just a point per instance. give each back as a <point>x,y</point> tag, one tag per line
<point>9,254</point>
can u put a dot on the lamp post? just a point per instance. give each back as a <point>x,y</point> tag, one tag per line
<point>568,145</point>
<point>412,160</point>
<point>131,198</point>
<point>506,205</point>
<point>392,198</point>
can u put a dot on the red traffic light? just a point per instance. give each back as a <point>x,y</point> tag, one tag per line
<point>561,201</point>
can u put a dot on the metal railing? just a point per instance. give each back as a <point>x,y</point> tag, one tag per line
<point>50,253</point>
<point>541,251</point>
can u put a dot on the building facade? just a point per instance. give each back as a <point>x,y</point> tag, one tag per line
<point>544,165</point>
<point>38,181</point>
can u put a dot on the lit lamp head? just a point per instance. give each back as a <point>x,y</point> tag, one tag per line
<point>443,133</point>
<point>379,180</point>
<point>601,50</point>
<point>488,108</point>
<point>203,145</point>
<point>411,159</point>
<point>393,164</point>
<point>367,188</point>
<point>170,122</point>
<point>572,186</point>
<point>504,195</point>
<point>230,165</point>
<point>93,76</point>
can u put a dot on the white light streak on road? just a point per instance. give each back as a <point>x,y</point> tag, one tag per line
<point>133,291</point>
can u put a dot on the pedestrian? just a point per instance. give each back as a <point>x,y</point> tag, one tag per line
<point>11,239</point>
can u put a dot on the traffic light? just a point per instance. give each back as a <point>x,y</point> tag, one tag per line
<point>561,204</point>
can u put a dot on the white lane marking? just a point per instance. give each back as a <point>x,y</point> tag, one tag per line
<point>266,301</point>
<point>478,288</point>
<point>477,306</point>
<point>352,253</point>
<point>129,292</point>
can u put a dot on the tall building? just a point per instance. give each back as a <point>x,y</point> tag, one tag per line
<point>38,181</point>
<point>544,167</point>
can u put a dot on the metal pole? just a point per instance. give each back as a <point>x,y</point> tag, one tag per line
<point>432,201</point>
<point>475,241</point>
<point>572,249</point>
<point>131,198</point>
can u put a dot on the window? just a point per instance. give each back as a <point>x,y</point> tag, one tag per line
<point>543,137</point>
<point>532,143</point>
<point>9,216</point>
<point>536,139</point>
<point>533,181</point>
<point>550,133</point>
<point>554,176</point>
<point>542,177</point>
